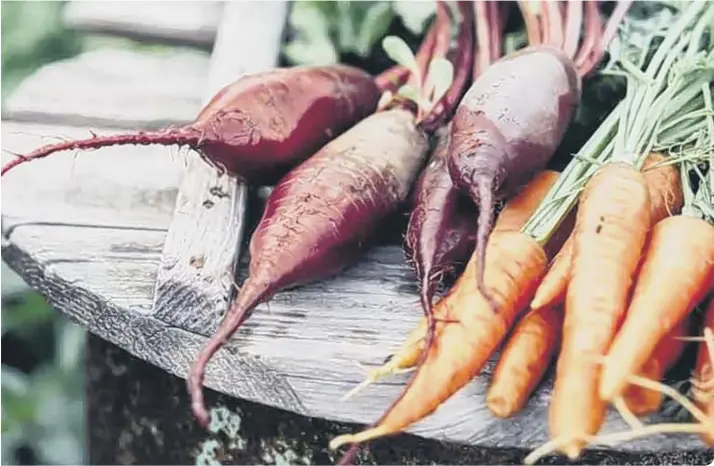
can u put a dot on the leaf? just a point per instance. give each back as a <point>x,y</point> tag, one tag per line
<point>414,13</point>
<point>440,77</point>
<point>375,24</point>
<point>409,92</point>
<point>399,52</point>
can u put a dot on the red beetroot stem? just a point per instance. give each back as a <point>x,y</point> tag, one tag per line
<point>426,50</point>
<point>573,23</point>
<point>602,42</point>
<point>463,62</point>
<point>181,136</point>
<point>483,35</point>
<point>392,79</point>
<point>555,23</point>
<point>593,30</point>
<point>532,22</point>
<point>497,26</point>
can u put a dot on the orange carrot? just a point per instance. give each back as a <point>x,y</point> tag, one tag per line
<point>703,392</point>
<point>676,273</point>
<point>520,207</point>
<point>514,264</point>
<point>665,188</point>
<point>643,401</point>
<point>611,227</point>
<point>524,360</point>
<point>511,218</point>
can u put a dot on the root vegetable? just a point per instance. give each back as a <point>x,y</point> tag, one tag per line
<point>320,217</point>
<point>259,126</point>
<point>665,188</point>
<point>524,360</point>
<point>610,231</point>
<point>677,272</point>
<point>463,345</point>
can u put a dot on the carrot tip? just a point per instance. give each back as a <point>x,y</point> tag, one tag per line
<point>363,436</point>
<point>498,405</point>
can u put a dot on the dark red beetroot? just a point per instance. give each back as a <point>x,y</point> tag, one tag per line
<point>262,124</point>
<point>512,119</point>
<point>321,216</point>
<point>440,234</point>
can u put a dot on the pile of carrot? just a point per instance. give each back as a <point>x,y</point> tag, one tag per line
<point>604,270</point>
<point>609,305</point>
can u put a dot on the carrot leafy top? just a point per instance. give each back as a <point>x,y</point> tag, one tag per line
<point>663,109</point>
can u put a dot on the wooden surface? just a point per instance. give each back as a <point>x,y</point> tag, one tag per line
<point>203,243</point>
<point>115,88</point>
<point>88,231</point>
<point>175,22</point>
<point>122,404</point>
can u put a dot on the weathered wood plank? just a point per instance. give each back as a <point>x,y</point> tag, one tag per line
<point>176,22</point>
<point>298,353</point>
<point>114,88</point>
<point>205,236</point>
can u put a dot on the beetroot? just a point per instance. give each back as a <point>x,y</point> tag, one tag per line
<point>262,124</point>
<point>321,216</point>
<point>514,116</point>
<point>440,234</point>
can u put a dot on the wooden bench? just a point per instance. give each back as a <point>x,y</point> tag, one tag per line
<point>140,246</point>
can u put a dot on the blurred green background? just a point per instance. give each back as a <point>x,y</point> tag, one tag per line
<point>42,351</point>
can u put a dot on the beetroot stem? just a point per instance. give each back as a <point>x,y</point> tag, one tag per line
<point>532,23</point>
<point>555,22</point>
<point>463,62</point>
<point>494,19</point>
<point>181,136</point>
<point>613,23</point>
<point>593,30</point>
<point>573,23</point>
<point>482,38</point>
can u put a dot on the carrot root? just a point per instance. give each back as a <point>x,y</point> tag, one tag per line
<point>611,228</point>
<point>674,276</point>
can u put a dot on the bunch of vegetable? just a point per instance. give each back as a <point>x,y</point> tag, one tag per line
<point>569,266</point>
<point>626,185</point>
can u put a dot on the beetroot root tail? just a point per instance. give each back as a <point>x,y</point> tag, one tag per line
<point>183,136</point>
<point>249,297</point>
<point>483,191</point>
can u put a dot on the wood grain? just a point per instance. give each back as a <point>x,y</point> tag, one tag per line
<point>114,88</point>
<point>174,22</point>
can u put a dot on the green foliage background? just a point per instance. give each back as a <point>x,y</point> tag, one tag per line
<point>42,372</point>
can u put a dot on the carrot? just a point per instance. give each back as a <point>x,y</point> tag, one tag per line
<point>703,383</point>
<point>503,132</point>
<point>642,401</point>
<point>259,126</point>
<point>515,263</point>
<point>524,360</point>
<point>613,219</point>
<point>511,218</point>
<point>677,272</point>
<point>665,188</point>
<point>611,227</point>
